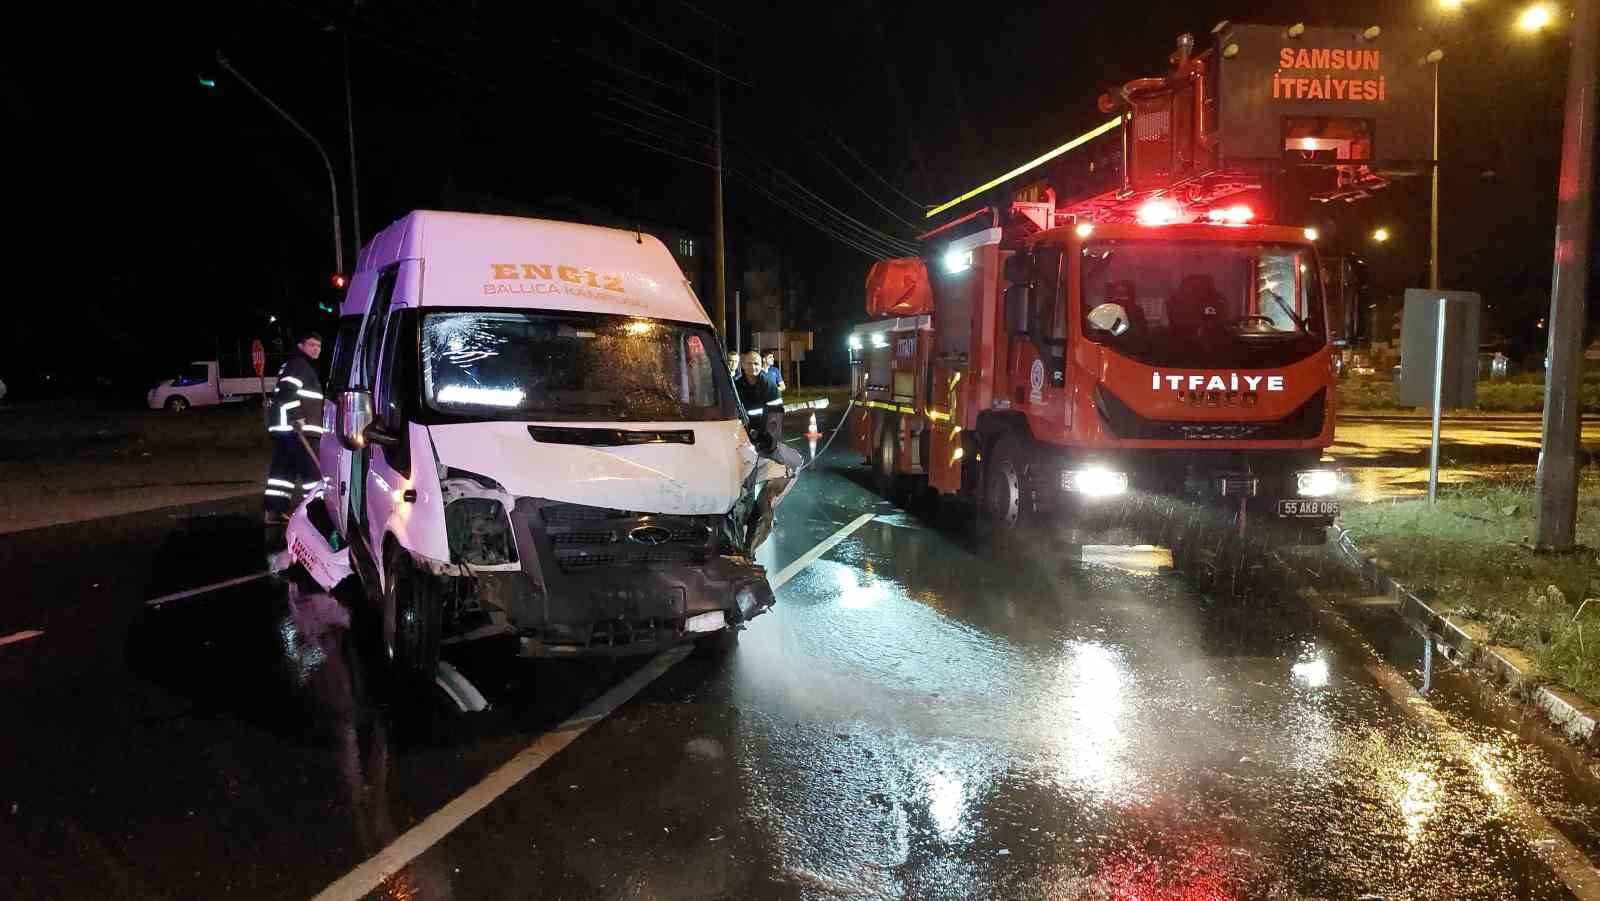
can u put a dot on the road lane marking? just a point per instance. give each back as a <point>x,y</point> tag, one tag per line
<point>1557,851</point>
<point>793,569</point>
<point>367,877</point>
<point>15,637</point>
<point>370,875</point>
<point>214,586</point>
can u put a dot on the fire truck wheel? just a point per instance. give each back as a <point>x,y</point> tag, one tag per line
<point>418,618</point>
<point>1005,503</point>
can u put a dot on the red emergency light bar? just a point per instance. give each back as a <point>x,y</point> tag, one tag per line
<point>1238,214</point>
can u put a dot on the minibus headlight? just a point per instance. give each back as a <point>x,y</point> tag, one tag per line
<point>479,532</point>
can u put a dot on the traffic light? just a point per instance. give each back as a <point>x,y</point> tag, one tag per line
<point>340,280</point>
<point>324,307</point>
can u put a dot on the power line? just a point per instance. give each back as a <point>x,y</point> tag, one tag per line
<point>800,201</point>
<point>814,199</point>
<point>708,17</point>
<point>756,184</point>
<point>795,182</point>
<point>671,49</point>
<point>867,194</point>
<point>874,173</point>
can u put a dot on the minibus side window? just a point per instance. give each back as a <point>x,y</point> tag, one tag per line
<point>388,403</point>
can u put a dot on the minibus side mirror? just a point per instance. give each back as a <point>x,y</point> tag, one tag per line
<point>355,415</point>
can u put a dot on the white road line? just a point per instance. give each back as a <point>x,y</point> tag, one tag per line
<point>228,583</point>
<point>364,879</point>
<point>15,637</point>
<point>367,877</point>
<point>793,569</point>
<point>1555,849</point>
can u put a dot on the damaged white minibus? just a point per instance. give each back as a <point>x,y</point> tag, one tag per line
<point>536,436</point>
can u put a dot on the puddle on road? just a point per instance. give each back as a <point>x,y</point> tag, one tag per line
<point>948,725</point>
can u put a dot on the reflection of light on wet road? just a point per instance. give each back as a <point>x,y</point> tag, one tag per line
<point>1311,673</point>
<point>1488,773</point>
<point>1419,798</point>
<point>858,588</point>
<point>1142,558</point>
<point>1086,725</point>
<point>946,802</point>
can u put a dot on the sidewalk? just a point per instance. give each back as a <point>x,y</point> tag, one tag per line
<point>72,462</point>
<point>50,493</point>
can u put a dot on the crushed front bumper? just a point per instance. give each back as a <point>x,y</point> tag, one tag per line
<point>596,581</point>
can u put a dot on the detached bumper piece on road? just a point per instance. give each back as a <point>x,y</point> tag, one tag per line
<point>313,543</point>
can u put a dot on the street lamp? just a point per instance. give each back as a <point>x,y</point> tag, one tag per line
<point>333,186</point>
<point>1535,18</point>
<point>1380,235</point>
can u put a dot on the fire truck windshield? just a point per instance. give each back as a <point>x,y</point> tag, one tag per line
<point>1202,303</point>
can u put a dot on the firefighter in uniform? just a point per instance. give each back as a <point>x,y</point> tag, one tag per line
<point>294,413</point>
<point>759,396</point>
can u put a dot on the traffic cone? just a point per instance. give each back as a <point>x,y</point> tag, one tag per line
<point>812,431</point>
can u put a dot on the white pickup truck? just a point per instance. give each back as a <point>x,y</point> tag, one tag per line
<point>201,384</point>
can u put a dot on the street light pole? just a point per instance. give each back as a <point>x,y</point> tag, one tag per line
<point>1557,480</point>
<point>1433,242</point>
<point>350,130</point>
<point>333,184</point>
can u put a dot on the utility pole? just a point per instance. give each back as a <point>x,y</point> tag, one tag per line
<point>350,129</point>
<point>333,184</point>
<point>1557,479</point>
<point>718,248</point>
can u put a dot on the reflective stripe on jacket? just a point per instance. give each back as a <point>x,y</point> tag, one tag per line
<point>297,398</point>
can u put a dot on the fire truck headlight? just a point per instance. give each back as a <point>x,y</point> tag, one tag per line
<point>957,261</point>
<point>1317,483</point>
<point>855,342</point>
<point>1095,482</point>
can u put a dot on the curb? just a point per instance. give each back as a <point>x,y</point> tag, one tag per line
<point>1571,715</point>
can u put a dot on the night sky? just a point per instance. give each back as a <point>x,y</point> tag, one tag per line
<point>206,213</point>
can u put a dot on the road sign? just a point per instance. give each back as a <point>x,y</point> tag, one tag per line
<point>1420,338</point>
<point>1439,359</point>
<point>258,357</point>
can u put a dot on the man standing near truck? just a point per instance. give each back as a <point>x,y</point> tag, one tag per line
<point>294,420</point>
<point>759,396</point>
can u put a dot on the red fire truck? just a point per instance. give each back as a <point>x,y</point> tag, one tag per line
<point>1117,320</point>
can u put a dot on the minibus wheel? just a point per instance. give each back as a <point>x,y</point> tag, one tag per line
<point>418,617</point>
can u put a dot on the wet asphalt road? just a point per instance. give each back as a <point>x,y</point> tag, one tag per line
<point>915,719</point>
<point>1387,455</point>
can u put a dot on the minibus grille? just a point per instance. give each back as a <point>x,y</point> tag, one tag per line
<point>587,538</point>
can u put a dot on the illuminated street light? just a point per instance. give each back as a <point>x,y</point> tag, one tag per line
<point>1380,235</point>
<point>1535,18</point>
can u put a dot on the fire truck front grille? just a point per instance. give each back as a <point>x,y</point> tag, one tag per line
<point>1122,422</point>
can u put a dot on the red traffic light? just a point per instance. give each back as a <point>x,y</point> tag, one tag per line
<point>340,280</point>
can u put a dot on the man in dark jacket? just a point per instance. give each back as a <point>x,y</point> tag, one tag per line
<point>758,396</point>
<point>294,420</point>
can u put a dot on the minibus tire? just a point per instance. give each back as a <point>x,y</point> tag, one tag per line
<point>418,618</point>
